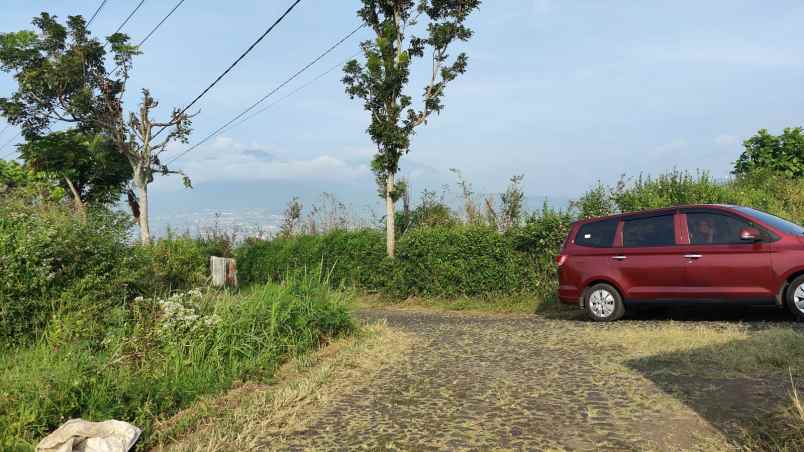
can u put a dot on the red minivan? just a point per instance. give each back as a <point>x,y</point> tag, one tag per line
<point>700,253</point>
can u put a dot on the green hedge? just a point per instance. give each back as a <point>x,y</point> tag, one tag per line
<point>432,261</point>
<point>348,258</point>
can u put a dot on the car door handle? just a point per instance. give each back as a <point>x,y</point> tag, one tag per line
<point>693,256</point>
<point>619,258</point>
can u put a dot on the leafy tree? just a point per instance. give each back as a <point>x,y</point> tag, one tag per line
<point>62,78</point>
<point>88,167</point>
<point>29,185</point>
<point>783,153</point>
<point>380,81</point>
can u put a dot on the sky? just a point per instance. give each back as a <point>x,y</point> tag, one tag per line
<point>567,93</point>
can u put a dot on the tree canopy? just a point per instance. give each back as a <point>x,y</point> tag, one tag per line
<point>381,80</point>
<point>61,74</point>
<point>88,164</point>
<point>783,153</point>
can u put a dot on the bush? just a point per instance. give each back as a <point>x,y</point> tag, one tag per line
<point>51,261</point>
<point>162,354</point>
<point>460,261</point>
<point>179,262</point>
<point>431,261</point>
<point>765,190</point>
<point>348,258</point>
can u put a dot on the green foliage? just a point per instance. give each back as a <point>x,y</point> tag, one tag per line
<point>60,73</point>
<point>595,202</point>
<point>51,262</point>
<point>459,261</point>
<point>19,182</point>
<point>95,169</point>
<point>381,80</point>
<point>645,192</point>
<point>431,211</point>
<point>443,261</point>
<point>161,354</point>
<point>348,258</point>
<point>179,262</point>
<point>783,153</point>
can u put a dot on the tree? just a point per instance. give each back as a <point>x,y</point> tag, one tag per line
<point>30,185</point>
<point>783,153</point>
<point>380,81</point>
<point>88,167</point>
<point>62,78</point>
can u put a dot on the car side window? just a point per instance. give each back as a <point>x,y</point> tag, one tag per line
<point>599,234</point>
<point>650,231</point>
<point>709,228</point>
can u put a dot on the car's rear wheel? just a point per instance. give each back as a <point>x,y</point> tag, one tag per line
<point>603,303</point>
<point>795,298</point>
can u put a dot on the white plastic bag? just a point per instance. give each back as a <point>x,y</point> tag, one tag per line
<point>78,435</point>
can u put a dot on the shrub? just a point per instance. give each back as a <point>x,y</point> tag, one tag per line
<point>179,262</point>
<point>431,261</point>
<point>161,355</point>
<point>770,191</point>
<point>52,261</point>
<point>349,258</point>
<point>460,261</point>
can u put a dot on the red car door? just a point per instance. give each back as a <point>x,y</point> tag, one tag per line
<point>649,266</point>
<point>720,265</point>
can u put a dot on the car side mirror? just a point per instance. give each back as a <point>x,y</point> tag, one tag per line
<point>749,235</point>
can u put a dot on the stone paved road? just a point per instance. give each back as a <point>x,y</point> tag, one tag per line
<point>525,382</point>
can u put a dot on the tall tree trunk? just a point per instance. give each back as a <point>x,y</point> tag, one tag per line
<point>390,216</point>
<point>79,205</point>
<point>142,189</point>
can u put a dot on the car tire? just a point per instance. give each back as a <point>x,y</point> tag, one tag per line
<point>603,303</point>
<point>794,298</point>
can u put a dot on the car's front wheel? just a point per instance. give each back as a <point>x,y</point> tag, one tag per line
<point>603,303</point>
<point>795,298</point>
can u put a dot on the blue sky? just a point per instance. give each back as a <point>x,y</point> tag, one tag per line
<point>566,92</point>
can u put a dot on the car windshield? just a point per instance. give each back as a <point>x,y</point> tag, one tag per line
<point>781,224</point>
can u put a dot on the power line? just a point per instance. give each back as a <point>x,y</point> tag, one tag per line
<point>271,93</point>
<point>148,36</point>
<point>128,18</point>
<point>299,88</point>
<point>131,14</point>
<point>95,14</point>
<point>4,129</point>
<point>9,142</point>
<point>240,58</point>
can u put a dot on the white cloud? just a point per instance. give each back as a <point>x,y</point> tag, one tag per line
<point>226,159</point>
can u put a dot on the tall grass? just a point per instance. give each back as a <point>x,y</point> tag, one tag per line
<point>162,354</point>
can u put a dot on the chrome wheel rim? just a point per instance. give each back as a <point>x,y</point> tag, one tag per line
<point>798,298</point>
<point>601,302</point>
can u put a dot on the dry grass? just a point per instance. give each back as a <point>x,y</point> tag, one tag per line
<point>734,348</point>
<point>782,431</point>
<point>721,351</point>
<point>523,304</point>
<point>260,416</point>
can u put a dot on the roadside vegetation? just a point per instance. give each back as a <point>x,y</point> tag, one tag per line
<point>99,328</point>
<point>94,324</point>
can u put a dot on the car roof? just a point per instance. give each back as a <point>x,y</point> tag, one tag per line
<point>652,212</point>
